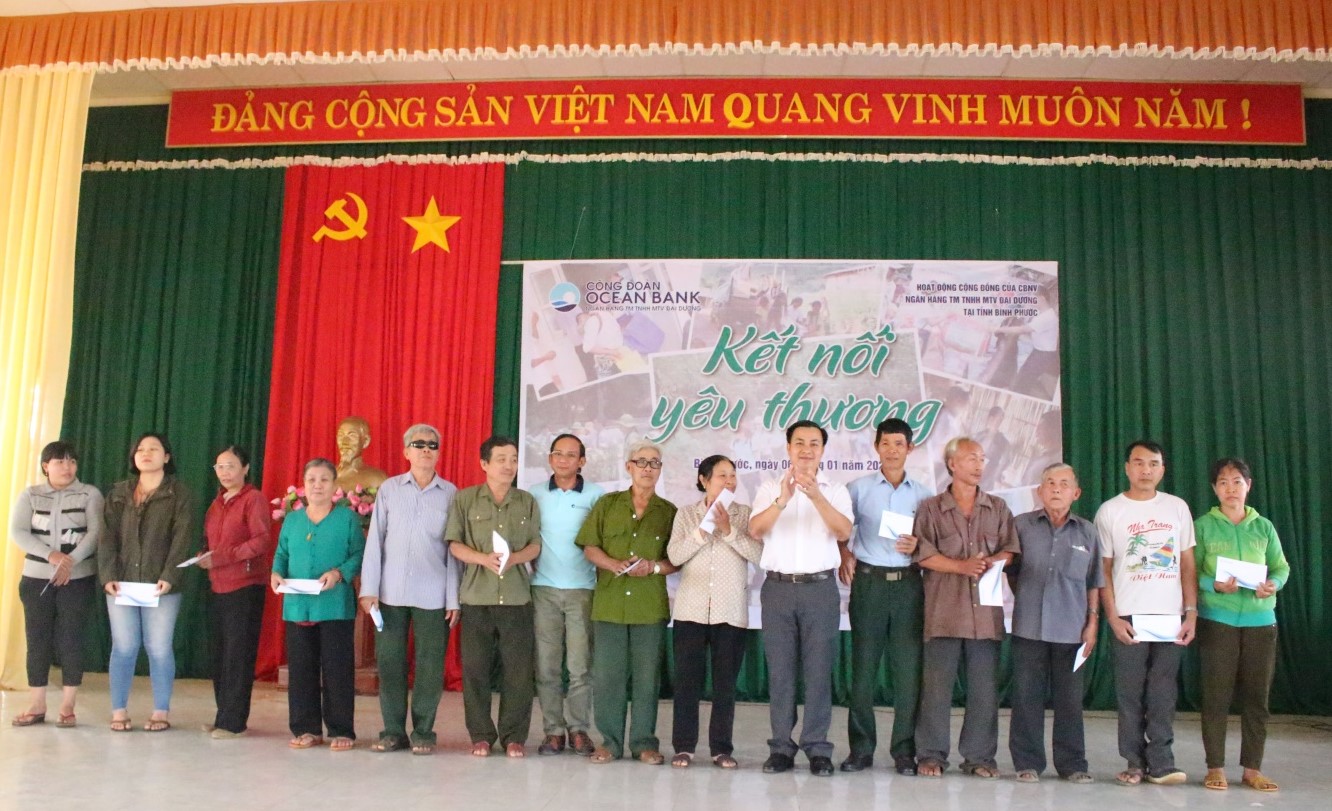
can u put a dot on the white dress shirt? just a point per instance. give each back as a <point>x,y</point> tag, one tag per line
<point>799,542</point>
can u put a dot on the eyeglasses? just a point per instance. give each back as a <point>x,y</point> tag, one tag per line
<point>565,454</point>
<point>227,466</point>
<point>643,464</point>
<point>422,444</point>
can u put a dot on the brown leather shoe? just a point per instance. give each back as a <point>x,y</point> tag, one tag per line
<point>552,745</point>
<point>652,757</point>
<point>582,744</point>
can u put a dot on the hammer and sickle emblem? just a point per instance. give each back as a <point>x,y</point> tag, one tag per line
<point>355,226</point>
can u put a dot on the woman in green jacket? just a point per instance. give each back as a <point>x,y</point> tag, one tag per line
<point>1237,632</point>
<point>321,542</point>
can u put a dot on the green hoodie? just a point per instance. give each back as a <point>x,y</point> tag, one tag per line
<point>1253,540</point>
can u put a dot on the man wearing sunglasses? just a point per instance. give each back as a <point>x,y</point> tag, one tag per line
<point>409,577</point>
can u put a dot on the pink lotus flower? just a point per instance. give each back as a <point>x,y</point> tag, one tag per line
<point>277,502</point>
<point>339,495</point>
<point>298,506</point>
<point>277,515</point>
<point>363,508</point>
<point>359,489</point>
<point>300,492</point>
<point>354,500</point>
<point>291,488</point>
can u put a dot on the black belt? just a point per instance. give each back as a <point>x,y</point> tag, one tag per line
<point>812,577</point>
<point>889,573</point>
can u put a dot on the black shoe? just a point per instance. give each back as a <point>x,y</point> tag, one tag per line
<point>857,763</point>
<point>821,766</point>
<point>905,765</point>
<point>778,763</point>
<point>552,745</point>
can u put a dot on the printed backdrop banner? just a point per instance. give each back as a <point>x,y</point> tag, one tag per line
<point>717,356</point>
<point>386,300</point>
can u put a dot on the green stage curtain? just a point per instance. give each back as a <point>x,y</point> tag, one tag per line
<point>173,330</point>
<point>1191,298</point>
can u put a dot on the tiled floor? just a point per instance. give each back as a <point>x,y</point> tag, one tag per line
<point>183,769</point>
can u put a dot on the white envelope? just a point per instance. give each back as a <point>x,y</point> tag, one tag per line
<point>1156,627</point>
<point>1080,658</point>
<point>500,545</point>
<point>187,563</point>
<point>299,586</point>
<point>377,617</point>
<point>709,522</point>
<point>892,524</point>
<point>1247,575</point>
<point>142,595</point>
<point>991,586</point>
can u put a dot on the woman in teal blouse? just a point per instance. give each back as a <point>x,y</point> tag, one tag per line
<point>1237,631</point>
<point>321,542</point>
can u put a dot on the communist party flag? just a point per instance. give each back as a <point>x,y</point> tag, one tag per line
<point>386,310</point>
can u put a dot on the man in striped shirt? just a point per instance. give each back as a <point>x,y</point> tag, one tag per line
<point>410,576</point>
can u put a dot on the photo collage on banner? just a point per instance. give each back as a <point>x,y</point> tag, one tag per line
<point>719,356</point>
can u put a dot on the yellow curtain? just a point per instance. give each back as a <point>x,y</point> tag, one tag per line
<point>43,118</point>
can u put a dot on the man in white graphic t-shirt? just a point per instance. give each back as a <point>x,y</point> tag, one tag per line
<point>1146,541</point>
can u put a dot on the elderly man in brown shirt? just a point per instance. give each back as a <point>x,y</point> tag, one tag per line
<point>961,532</point>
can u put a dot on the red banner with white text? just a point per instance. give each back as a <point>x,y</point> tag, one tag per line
<point>1004,109</point>
<point>386,306</point>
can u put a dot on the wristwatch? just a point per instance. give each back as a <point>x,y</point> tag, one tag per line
<point>656,567</point>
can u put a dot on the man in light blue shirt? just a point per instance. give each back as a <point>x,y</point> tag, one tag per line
<point>887,602</point>
<point>409,575</point>
<point>562,601</point>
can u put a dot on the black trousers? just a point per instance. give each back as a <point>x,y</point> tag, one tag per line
<point>53,624</point>
<point>692,643</point>
<point>321,661</point>
<point>237,618</point>
<point>506,632</point>
<point>1043,673</point>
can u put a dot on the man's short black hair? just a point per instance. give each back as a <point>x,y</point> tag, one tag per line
<point>582,449</point>
<point>798,424</point>
<point>1145,444</point>
<point>893,425</point>
<point>496,441</point>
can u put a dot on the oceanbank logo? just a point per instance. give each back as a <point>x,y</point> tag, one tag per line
<point>564,296</point>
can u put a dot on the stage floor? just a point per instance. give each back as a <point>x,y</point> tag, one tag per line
<point>89,767</point>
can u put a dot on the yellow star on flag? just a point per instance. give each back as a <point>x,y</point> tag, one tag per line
<point>431,227</point>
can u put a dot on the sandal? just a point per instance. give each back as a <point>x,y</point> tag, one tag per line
<point>1079,777</point>
<point>602,755</point>
<point>157,725</point>
<point>651,757</point>
<point>930,768</point>
<point>1216,780</point>
<point>121,725</point>
<point>1129,777</point>
<point>1260,783</point>
<point>423,749</point>
<point>305,741</point>
<point>28,719</point>
<point>67,721</point>
<point>1028,776</point>
<point>682,760</point>
<point>388,744</point>
<point>341,745</point>
<point>724,762</point>
<point>480,749</point>
<point>515,750</point>
<point>980,770</point>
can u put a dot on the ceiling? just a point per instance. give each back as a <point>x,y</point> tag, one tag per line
<point>155,86</point>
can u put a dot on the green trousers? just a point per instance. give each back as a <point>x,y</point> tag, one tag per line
<point>431,632</point>
<point>626,669</point>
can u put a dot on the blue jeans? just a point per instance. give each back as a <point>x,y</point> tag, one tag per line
<point>133,627</point>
